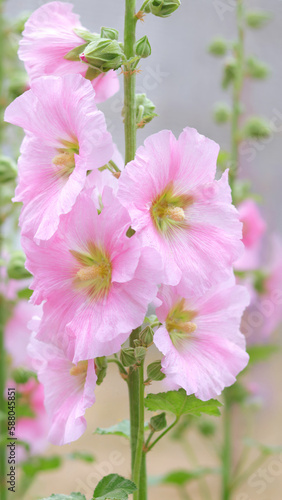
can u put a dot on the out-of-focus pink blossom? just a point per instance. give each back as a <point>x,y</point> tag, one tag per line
<point>48,36</point>
<point>253,229</point>
<point>96,281</point>
<point>66,138</point>
<point>200,338</point>
<point>179,208</point>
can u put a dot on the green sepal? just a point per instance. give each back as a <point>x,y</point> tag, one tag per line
<point>86,35</point>
<point>154,371</point>
<point>73,55</point>
<point>158,422</point>
<point>110,33</point>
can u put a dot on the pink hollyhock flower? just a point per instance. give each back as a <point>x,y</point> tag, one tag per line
<point>177,207</point>
<point>66,137</point>
<point>253,229</point>
<point>33,428</point>
<point>17,333</point>
<point>97,282</point>
<point>200,338</point>
<point>68,388</point>
<point>48,36</point>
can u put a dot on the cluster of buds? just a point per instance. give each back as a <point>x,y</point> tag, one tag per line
<point>162,8</point>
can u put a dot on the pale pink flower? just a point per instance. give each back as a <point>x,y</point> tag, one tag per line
<point>31,429</point>
<point>96,281</point>
<point>68,389</point>
<point>17,333</point>
<point>178,208</point>
<point>253,229</point>
<point>200,338</point>
<point>66,137</point>
<point>48,36</point>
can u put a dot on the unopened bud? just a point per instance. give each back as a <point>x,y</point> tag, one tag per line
<point>162,8</point>
<point>16,268</point>
<point>147,336</point>
<point>140,353</point>
<point>229,72</point>
<point>207,428</point>
<point>154,371</point>
<point>22,376</point>
<point>109,33</point>
<point>158,423</point>
<point>145,110</point>
<point>127,356</point>
<point>8,169</point>
<point>218,47</point>
<point>257,18</point>
<point>101,366</point>
<point>256,68</point>
<point>257,128</point>
<point>222,113</point>
<point>103,55</point>
<point>143,47</point>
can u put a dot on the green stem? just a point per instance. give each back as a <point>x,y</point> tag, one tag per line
<point>203,485</point>
<point>137,475</point>
<point>3,421</point>
<point>122,370</point>
<point>129,81</point>
<point>227,450</point>
<point>163,434</point>
<point>237,91</point>
<point>250,470</point>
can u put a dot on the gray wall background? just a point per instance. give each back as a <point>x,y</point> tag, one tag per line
<point>183,80</point>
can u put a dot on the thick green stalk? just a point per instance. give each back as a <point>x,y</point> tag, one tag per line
<point>139,456</point>
<point>129,81</point>
<point>227,450</point>
<point>237,90</point>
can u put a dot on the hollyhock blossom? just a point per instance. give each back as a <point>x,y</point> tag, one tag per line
<point>253,229</point>
<point>32,426</point>
<point>66,137</point>
<point>68,388</point>
<point>178,208</point>
<point>200,338</point>
<point>96,281</point>
<point>17,333</point>
<point>48,36</point>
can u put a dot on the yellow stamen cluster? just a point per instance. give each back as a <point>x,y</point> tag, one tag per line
<point>79,369</point>
<point>175,213</point>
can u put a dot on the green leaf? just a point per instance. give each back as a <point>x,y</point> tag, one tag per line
<point>26,293</point>
<point>179,403</point>
<point>259,353</point>
<point>72,496</point>
<point>81,455</point>
<point>181,477</point>
<point>114,487</point>
<point>120,429</point>
<point>73,55</point>
<point>38,464</point>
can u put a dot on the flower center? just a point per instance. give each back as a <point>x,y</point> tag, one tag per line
<point>64,161</point>
<point>95,272</point>
<point>179,324</point>
<point>79,369</point>
<point>168,210</point>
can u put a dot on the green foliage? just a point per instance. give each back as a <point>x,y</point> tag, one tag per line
<point>178,403</point>
<point>84,456</point>
<point>181,477</point>
<point>207,428</point>
<point>16,267</point>
<point>158,422</point>
<point>8,169</point>
<point>154,371</point>
<point>110,33</point>
<point>72,496</point>
<point>73,55</point>
<point>265,449</point>
<point>223,159</point>
<point>21,375</point>
<point>86,35</point>
<point>145,111</point>
<point>26,293</point>
<point>257,18</point>
<point>120,429</point>
<point>38,464</point>
<point>113,487</point>
<point>242,190</point>
<point>259,353</point>
<point>256,128</point>
<point>218,47</point>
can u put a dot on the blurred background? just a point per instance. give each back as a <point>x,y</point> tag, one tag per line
<point>184,82</point>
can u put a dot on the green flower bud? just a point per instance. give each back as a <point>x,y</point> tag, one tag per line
<point>158,423</point>
<point>110,33</point>
<point>140,353</point>
<point>147,336</point>
<point>127,356</point>
<point>8,169</point>
<point>143,47</point>
<point>256,128</point>
<point>154,371</point>
<point>260,278</point>
<point>101,366</point>
<point>221,113</point>
<point>103,55</point>
<point>162,8</point>
<point>229,72</point>
<point>207,427</point>
<point>22,376</point>
<point>16,268</point>
<point>257,18</point>
<point>144,110</point>
<point>218,47</point>
<point>256,68</point>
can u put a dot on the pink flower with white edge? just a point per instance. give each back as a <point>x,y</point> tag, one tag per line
<point>200,338</point>
<point>68,389</point>
<point>253,229</point>
<point>48,36</point>
<point>33,427</point>
<point>96,281</point>
<point>17,333</point>
<point>178,208</point>
<point>66,137</point>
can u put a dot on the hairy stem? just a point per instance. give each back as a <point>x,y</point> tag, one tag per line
<point>226,451</point>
